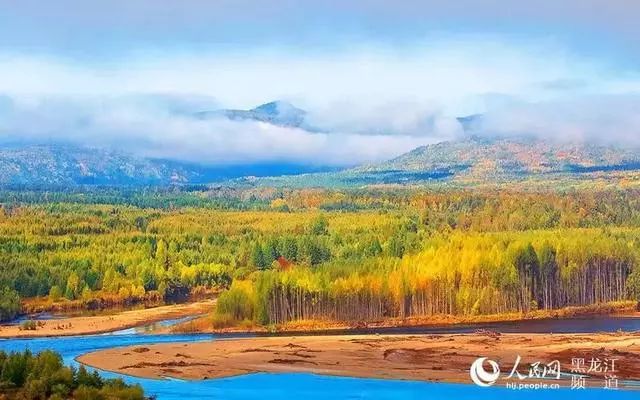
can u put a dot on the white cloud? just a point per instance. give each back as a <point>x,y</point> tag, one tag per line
<point>376,101</point>
<point>603,119</point>
<point>393,118</point>
<point>153,128</point>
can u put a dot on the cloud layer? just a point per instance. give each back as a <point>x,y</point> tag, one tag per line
<point>369,98</point>
<point>603,119</point>
<point>166,127</point>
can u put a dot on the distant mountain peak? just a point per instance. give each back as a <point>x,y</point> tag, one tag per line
<point>279,113</point>
<point>471,123</point>
<point>278,107</point>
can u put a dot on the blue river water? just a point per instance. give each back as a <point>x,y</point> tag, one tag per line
<point>311,387</point>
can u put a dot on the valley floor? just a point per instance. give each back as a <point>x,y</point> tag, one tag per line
<point>85,325</point>
<point>445,358</point>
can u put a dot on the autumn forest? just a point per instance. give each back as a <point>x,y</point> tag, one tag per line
<point>274,256</point>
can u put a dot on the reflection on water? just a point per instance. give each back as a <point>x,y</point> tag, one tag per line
<point>45,316</point>
<point>154,326</point>
<point>310,387</point>
<point>565,325</point>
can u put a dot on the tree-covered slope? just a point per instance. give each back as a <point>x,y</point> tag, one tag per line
<point>511,157</point>
<point>72,165</point>
<point>474,160</point>
<point>59,165</point>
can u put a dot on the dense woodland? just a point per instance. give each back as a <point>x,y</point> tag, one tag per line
<point>321,254</point>
<point>28,376</point>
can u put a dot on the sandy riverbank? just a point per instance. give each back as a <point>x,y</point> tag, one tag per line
<point>83,325</point>
<point>416,357</point>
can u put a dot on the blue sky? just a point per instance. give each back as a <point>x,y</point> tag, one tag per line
<point>100,71</point>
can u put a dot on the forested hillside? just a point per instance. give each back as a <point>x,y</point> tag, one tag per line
<point>481,161</point>
<point>63,166</point>
<point>476,157</point>
<point>340,255</point>
<point>66,165</point>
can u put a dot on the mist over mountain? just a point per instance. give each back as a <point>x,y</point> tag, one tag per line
<point>478,151</point>
<point>279,113</point>
<point>63,159</point>
<point>195,129</point>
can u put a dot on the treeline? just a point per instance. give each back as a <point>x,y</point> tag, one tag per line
<point>550,207</point>
<point>142,197</point>
<point>43,376</point>
<point>458,274</point>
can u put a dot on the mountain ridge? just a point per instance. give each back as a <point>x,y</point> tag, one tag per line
<point>58,164</point>
<point>470,159</point>
<point>474,160</point>
<point>278,112</point>
<point>519,154</point>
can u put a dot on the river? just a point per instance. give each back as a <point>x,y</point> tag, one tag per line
<point>311,387</point>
